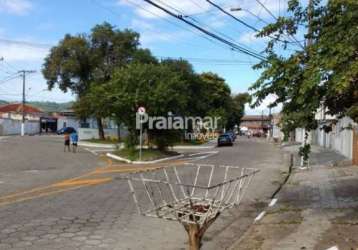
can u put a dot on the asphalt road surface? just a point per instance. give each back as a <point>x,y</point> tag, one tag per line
<point>55,200</point>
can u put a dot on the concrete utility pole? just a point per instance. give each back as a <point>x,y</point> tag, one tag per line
<point>23,73</point>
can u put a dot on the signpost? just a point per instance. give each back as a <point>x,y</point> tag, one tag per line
<point>141,112</point>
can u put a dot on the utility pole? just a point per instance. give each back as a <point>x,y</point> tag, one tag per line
<point>270,135</point>
<point>23,73</point>
<point>310,10</point>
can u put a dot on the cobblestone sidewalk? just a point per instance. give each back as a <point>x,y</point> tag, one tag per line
<point>316,209</point>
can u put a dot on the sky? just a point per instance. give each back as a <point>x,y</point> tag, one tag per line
<point>28,29</point>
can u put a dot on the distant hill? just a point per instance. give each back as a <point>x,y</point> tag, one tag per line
<point>47,106</point>
<point>52,106</point>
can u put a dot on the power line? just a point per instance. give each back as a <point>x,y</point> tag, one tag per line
<point>224,41</point>
<point>198,22</point>
<point>10,67</point>
<point>30,44</point>
<point>208,60</point>
<point>162,18</point>
<point>251,13</point>
<point>234,17</point>
<point>267,9</point>
<point>9,78</point>
<point>242,22</point>
<point>271,14</point>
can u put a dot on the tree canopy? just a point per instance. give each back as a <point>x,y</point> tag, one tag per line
<point>321,73</point>
<point>80,61</point>
<point>113,76</point>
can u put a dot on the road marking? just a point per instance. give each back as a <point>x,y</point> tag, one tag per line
<point>40,195</point>
<point>39,189</point>
<point>195,157</point>
<point>92,152</point>
<point>125,170</point>
<point>83,182</point>
<point>33,171</point>
<point>260,216</point>
<point>202,153</point>
<point>333,248</point>
<point>78,182</point>
<point>273,202</point>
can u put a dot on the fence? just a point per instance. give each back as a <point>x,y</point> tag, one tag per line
<point>339,139</point>
<point>13,127</point>
<point>92,133</point>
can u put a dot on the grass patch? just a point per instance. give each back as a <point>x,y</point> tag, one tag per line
<point>147,154</point>
<point>190,143</point>
<point>105,141</point>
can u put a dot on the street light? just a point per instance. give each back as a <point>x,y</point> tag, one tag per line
<point>248,11</point>
<point>236,9</point>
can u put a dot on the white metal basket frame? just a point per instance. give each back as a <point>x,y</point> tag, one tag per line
<point>191,208</point>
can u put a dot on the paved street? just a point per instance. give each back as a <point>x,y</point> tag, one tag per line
<point>316,209</point>
<point>44,206</point>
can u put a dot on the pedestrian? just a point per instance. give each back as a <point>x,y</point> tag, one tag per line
<point>67,142</point>
<point>74,139</point>
<point>249,134</point>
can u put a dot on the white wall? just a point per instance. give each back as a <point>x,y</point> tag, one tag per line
<point>70,122</point>
<point>300,135</point>
<point>13,127</point>
<point>339,139</point>
<point>277,133</point>
<point>92,133</point>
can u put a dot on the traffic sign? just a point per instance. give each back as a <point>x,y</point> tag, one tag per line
<point>141,110</point>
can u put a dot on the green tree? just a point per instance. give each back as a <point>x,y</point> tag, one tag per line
<point>156,87</point>
<point>323,72</point>
<point>216,97</point>
<point>78,62</point>
<point>237,110</point>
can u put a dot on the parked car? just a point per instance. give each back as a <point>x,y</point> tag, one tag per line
<point>225,140</point>
<point>232,134</point>
<point>66,130</point>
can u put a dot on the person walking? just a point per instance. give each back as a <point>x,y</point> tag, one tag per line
<point>74,140</point>
<point>67,142</point>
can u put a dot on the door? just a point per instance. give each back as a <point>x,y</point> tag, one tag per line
<point>355,147</point>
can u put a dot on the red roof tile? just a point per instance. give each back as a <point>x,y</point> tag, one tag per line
<point>255,118</point>
<point>17,107</point>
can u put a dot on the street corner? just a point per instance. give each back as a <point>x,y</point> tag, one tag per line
<point>121,167</point>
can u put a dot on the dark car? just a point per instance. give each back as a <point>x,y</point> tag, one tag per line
<point>225,140</point>
<point>232,134</point>
<point>66,130</point>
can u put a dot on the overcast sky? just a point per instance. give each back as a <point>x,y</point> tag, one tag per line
<point>29,28</point>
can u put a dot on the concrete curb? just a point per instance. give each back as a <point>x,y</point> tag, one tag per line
<point>98,145</point>
<point>116,157</point>
<point>193,147</point>
<point>120,145</point>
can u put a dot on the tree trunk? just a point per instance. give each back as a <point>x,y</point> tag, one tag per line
<point>100,128</point>
<point>194,236</point>
<point>118,130</point>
